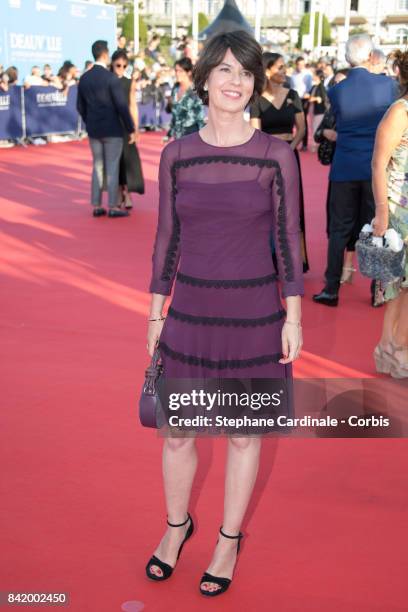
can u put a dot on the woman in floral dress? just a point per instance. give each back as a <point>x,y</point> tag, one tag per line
<point>187,113</point>
<point>390,186</point>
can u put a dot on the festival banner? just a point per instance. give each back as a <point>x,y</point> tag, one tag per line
<point>38,32</point>
<point>50,111</point>
<point>11,116</point>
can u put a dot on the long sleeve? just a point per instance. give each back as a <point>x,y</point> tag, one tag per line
<point>286,221</point>
<point>166,252</point>
<point>121,104</point>
<point>81,104</point>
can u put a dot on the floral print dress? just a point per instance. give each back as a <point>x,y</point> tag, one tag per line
<point>187,114</point>
<point>397,179</point>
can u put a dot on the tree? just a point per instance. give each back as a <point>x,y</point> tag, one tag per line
<point>304,28</point>
<point>128,28</point>
<point>202,23</point>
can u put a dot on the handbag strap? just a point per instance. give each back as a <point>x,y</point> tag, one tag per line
<point>152,373</point>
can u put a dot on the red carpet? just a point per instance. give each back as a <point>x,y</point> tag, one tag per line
<point>82,506</point>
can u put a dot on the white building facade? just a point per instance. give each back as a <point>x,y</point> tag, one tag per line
<point>388,19</point>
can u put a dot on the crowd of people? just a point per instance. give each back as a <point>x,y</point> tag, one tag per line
<point>228,192</point>
<point>310,105</point>
<point>230,196</point>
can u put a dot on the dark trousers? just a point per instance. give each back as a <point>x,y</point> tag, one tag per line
<point>351,203</point>
<point>305,104</point>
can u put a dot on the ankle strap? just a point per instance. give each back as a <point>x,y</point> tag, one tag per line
<point>240,535</point>
<point>180,524</point>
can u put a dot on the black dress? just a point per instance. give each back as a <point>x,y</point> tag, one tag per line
<point>282,121</point>
<point>130,170</point>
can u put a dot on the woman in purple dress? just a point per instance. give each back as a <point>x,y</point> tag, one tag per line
<point>222,190</point>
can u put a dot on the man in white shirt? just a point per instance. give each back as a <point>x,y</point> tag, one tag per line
<point>328,74</point>
<point>34,78</point>
<point>302,81</point>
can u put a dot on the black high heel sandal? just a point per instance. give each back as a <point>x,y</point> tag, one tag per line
<point>222,582</point>
<point>165,567</point>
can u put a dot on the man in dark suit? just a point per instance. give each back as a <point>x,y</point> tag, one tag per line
<point>103,107</point>
<point>358,103</point>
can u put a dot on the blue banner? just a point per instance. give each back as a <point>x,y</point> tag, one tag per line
<point>11,115</point>
<point>38,32</point>
<point>50,111</point>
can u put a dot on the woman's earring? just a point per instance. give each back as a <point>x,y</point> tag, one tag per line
<point>205,87</point>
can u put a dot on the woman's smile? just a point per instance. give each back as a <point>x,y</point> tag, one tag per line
<point>230,93</point>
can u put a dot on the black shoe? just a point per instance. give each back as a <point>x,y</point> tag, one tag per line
<point>113,212</point>
<point>223,583</point>
<point>165,567</point>
<point>326,298</point>
<point>99,211</point>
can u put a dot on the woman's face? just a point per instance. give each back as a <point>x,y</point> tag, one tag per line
<point>277,72</point>
<point>230,85</point>
<point>119,66</point>
<point>182,76</point>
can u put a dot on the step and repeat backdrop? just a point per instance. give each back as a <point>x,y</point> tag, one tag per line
<point>38,32</point>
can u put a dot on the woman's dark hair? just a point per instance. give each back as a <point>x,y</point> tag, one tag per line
<point>119,54</point>
<point>12,73</point>
<point>343,71</point>
<point>246,51</point>
<point>269,59</point>
<point>64,70</point>
<point>185,64</point>
<point>400,60</point>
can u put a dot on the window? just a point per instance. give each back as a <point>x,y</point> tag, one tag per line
<point>402,5</point>
<point>402,36</point>
<point>306,6</point>
<point>354,5</point>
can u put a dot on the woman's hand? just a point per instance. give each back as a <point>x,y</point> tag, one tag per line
<point>292,342</point>
<point>153,334</point>
<point>380,221</point>
<point>330,135</point>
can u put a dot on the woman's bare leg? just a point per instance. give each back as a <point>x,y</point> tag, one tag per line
<point>179,468</point>
<point>241,472</point>
<point>391,317</point>
<point>401,328</point>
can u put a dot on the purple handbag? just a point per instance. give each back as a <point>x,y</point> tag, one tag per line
<point>149,403</point>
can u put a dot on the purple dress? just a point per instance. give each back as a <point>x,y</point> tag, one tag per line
<point>216,210</point>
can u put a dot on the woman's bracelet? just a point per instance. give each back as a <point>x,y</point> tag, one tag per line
<point>159,319</point>
<point>297,323</point>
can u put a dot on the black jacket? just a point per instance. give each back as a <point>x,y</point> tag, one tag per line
<point>102,104</point>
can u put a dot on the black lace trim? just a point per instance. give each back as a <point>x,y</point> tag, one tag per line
<point>222,364</point>
<point>226,284</point>
<point>170,261</point>
<point>225,321</point>
<point>169,264</point>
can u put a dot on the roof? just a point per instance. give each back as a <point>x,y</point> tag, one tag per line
<point>402,18</point>
<point>354,20</point>
<point>228,19</point>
